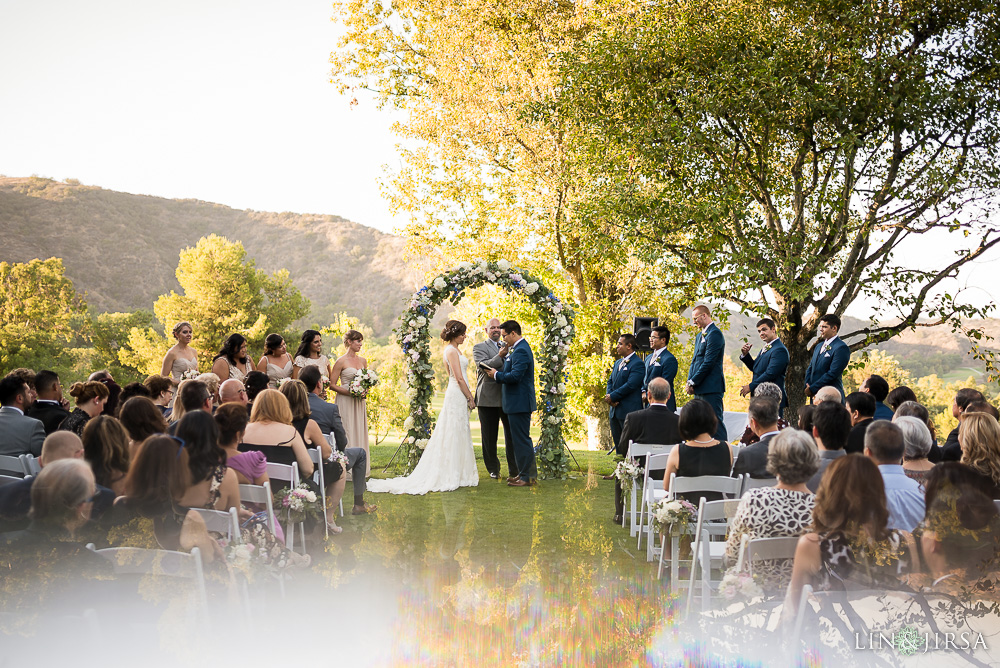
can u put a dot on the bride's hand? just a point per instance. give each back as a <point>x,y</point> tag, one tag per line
<point>471,402</point>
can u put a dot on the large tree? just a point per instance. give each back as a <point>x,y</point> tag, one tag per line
<point>480,176</point>
<point>803,143</point>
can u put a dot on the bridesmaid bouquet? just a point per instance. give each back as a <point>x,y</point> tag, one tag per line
<point>295,504</point>
<point>190,374</point>
<point>363,381</point>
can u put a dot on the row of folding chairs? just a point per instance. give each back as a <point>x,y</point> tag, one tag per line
<point>19,466</point>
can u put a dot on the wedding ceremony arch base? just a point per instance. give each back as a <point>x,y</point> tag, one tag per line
<point>550,355</point>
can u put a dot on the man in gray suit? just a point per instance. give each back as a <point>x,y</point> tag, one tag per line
<point>327,416</point>
<point>19,434</point>
<point>488,402</point>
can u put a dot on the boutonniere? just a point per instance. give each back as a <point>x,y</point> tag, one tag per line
<point>767,347</point>
<point>656,362</point>
<point>826,346</point>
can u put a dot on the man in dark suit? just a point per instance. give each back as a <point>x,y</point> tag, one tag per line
<point>878,387</point>
<point>660,364</point>
<point>655,425</point>
<point>763,414</point>
<point>831,427</point>
<point>705,379</point>
<point>830,357</point>
<point>19,434</point>
<point>519,402</point>
<point>48,408</point>
<point>861,406</point>
<point>951,451</point>
<point>770,366</point>
<point>327,416</point>
<point>489,402</point>
<point>624,386</point>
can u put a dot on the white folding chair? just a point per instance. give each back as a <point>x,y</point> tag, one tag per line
<point>260,494</point>
<point>753,483</point>
<point>290,474</point>
<point>221,521</point>
<point>317,459</point>
<point>996,502</point>
<point>705,552</point>
<point>735,450</point>
<point>12,466</point>
<point>652,491</point>
<point>640,450</point>
<point>30,464</point>
<point>705,484</point>
<point>765,549</point>
<point>736,424</point>
<point>166,563</point>
<point>332,440</point>
<point>7,479</point>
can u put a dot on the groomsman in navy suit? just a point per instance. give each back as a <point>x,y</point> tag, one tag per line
<point>830,358</point>
<point>518,400</point>
<point>705,379</point>
<point>770,366</point>
<point>661,363</point>
<point>624,386</point>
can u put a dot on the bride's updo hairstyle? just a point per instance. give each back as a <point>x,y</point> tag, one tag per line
<point>453,329</point>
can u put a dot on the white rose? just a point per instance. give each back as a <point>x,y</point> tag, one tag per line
<point>465,266</point>
<point>503,265</point>
<point>439,283</point>
<point>490,276</point>
<point>557,308</point>
<point>421,321</point>
<point>311,497</point>
<point>531,288</point>
<point>561,321</point>
<point>562,388</point>
<point>412,392</point>
<point>422,443</point>
<point>412,323</point>
<point>408,423</point>
<point>555,358</point>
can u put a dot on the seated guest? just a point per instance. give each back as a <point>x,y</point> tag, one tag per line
<point>831,426</point>
<point>782,510</point>
<point>898,396</point>
<point>105,447</point>
<point>28,377</point>
<point>806,418</point>
<point>656,424</point>
<point>161,391</point>
<point>212,382</point>
<point>232,360</point>
<point>850,546</point>
<point>233,392</point>
<point>983,407</point>
<point>48,560</point>
<point>250,467</point>
<point>48,407</point>
<point>15,497</point>
<point>90,399</point>
<point>765,390</point>
<point>141,419</point>
<point>951,451</point>
<point>861,406</point>
<point>700,453</point>
<point>132,390</point>
<point>904,496</point>
<point>917,441</point>
<point>270,431</point>
<point>828,393</point>
<point>114,390</point>
<point>763,413</point>
<point>961,531</point>
<point>19,434</point>
<point>979,436</point>
<point>255,383</point>
<point>878,387</point>
<point>192,395</point>
<point>913,409</point>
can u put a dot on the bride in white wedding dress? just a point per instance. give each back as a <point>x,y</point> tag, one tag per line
<point>448,461</point>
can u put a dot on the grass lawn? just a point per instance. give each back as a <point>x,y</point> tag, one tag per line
<point>539,573</point>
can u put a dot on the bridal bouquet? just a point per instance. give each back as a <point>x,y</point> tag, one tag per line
<point>363,381</point>
<point>670,513</point>
<point>736,586</point>
<point>190,374</point>
<point>295,504</point>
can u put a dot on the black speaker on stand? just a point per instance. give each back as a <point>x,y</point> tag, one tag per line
<point>642,328</point>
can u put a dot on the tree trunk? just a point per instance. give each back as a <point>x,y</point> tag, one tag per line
<point>798,361</point>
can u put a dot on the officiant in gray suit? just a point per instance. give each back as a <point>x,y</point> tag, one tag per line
<point>491,415</point>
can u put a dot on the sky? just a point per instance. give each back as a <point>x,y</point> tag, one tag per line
<point>222,101</point>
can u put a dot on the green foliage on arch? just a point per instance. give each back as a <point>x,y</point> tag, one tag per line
<point>557,318</point>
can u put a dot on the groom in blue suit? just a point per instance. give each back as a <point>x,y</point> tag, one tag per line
<point>830,357</point>
<point>624,386</point>
<point>517,396</point>
<point>661,363</point>
<point>705,379</point>
<point>770,366</point>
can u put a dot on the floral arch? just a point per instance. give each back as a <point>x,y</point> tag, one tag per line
<point>550,357</point>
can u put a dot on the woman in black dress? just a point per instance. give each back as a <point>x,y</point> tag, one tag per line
<point>699,454</point>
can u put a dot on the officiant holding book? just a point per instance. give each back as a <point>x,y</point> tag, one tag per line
<point>492,353</point>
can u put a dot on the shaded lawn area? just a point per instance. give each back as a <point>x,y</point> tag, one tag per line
<point>538,573</point>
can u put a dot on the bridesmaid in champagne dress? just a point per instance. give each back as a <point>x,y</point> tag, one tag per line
<point>232,360</point>
<point>352,409</point>
<point>276,362</point>
<point>181,358</point>
<point>310,353</point>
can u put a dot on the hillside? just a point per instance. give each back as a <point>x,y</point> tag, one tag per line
<point>121,250</point>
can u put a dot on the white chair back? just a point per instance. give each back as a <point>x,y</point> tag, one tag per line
<point>221,521</point>
<point>12,466</point>
<point>731,487</point>
<point>7,479</point>
<point>317,459</point>
<point>753,483</point>
<point>736,423</point>
<point>31,465</point>
<point>636,450</point>
<point>709,515</point>
<point>996,502</point>
<point>260,494</point>
<point>649,496</point>
<point>290,474</point>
